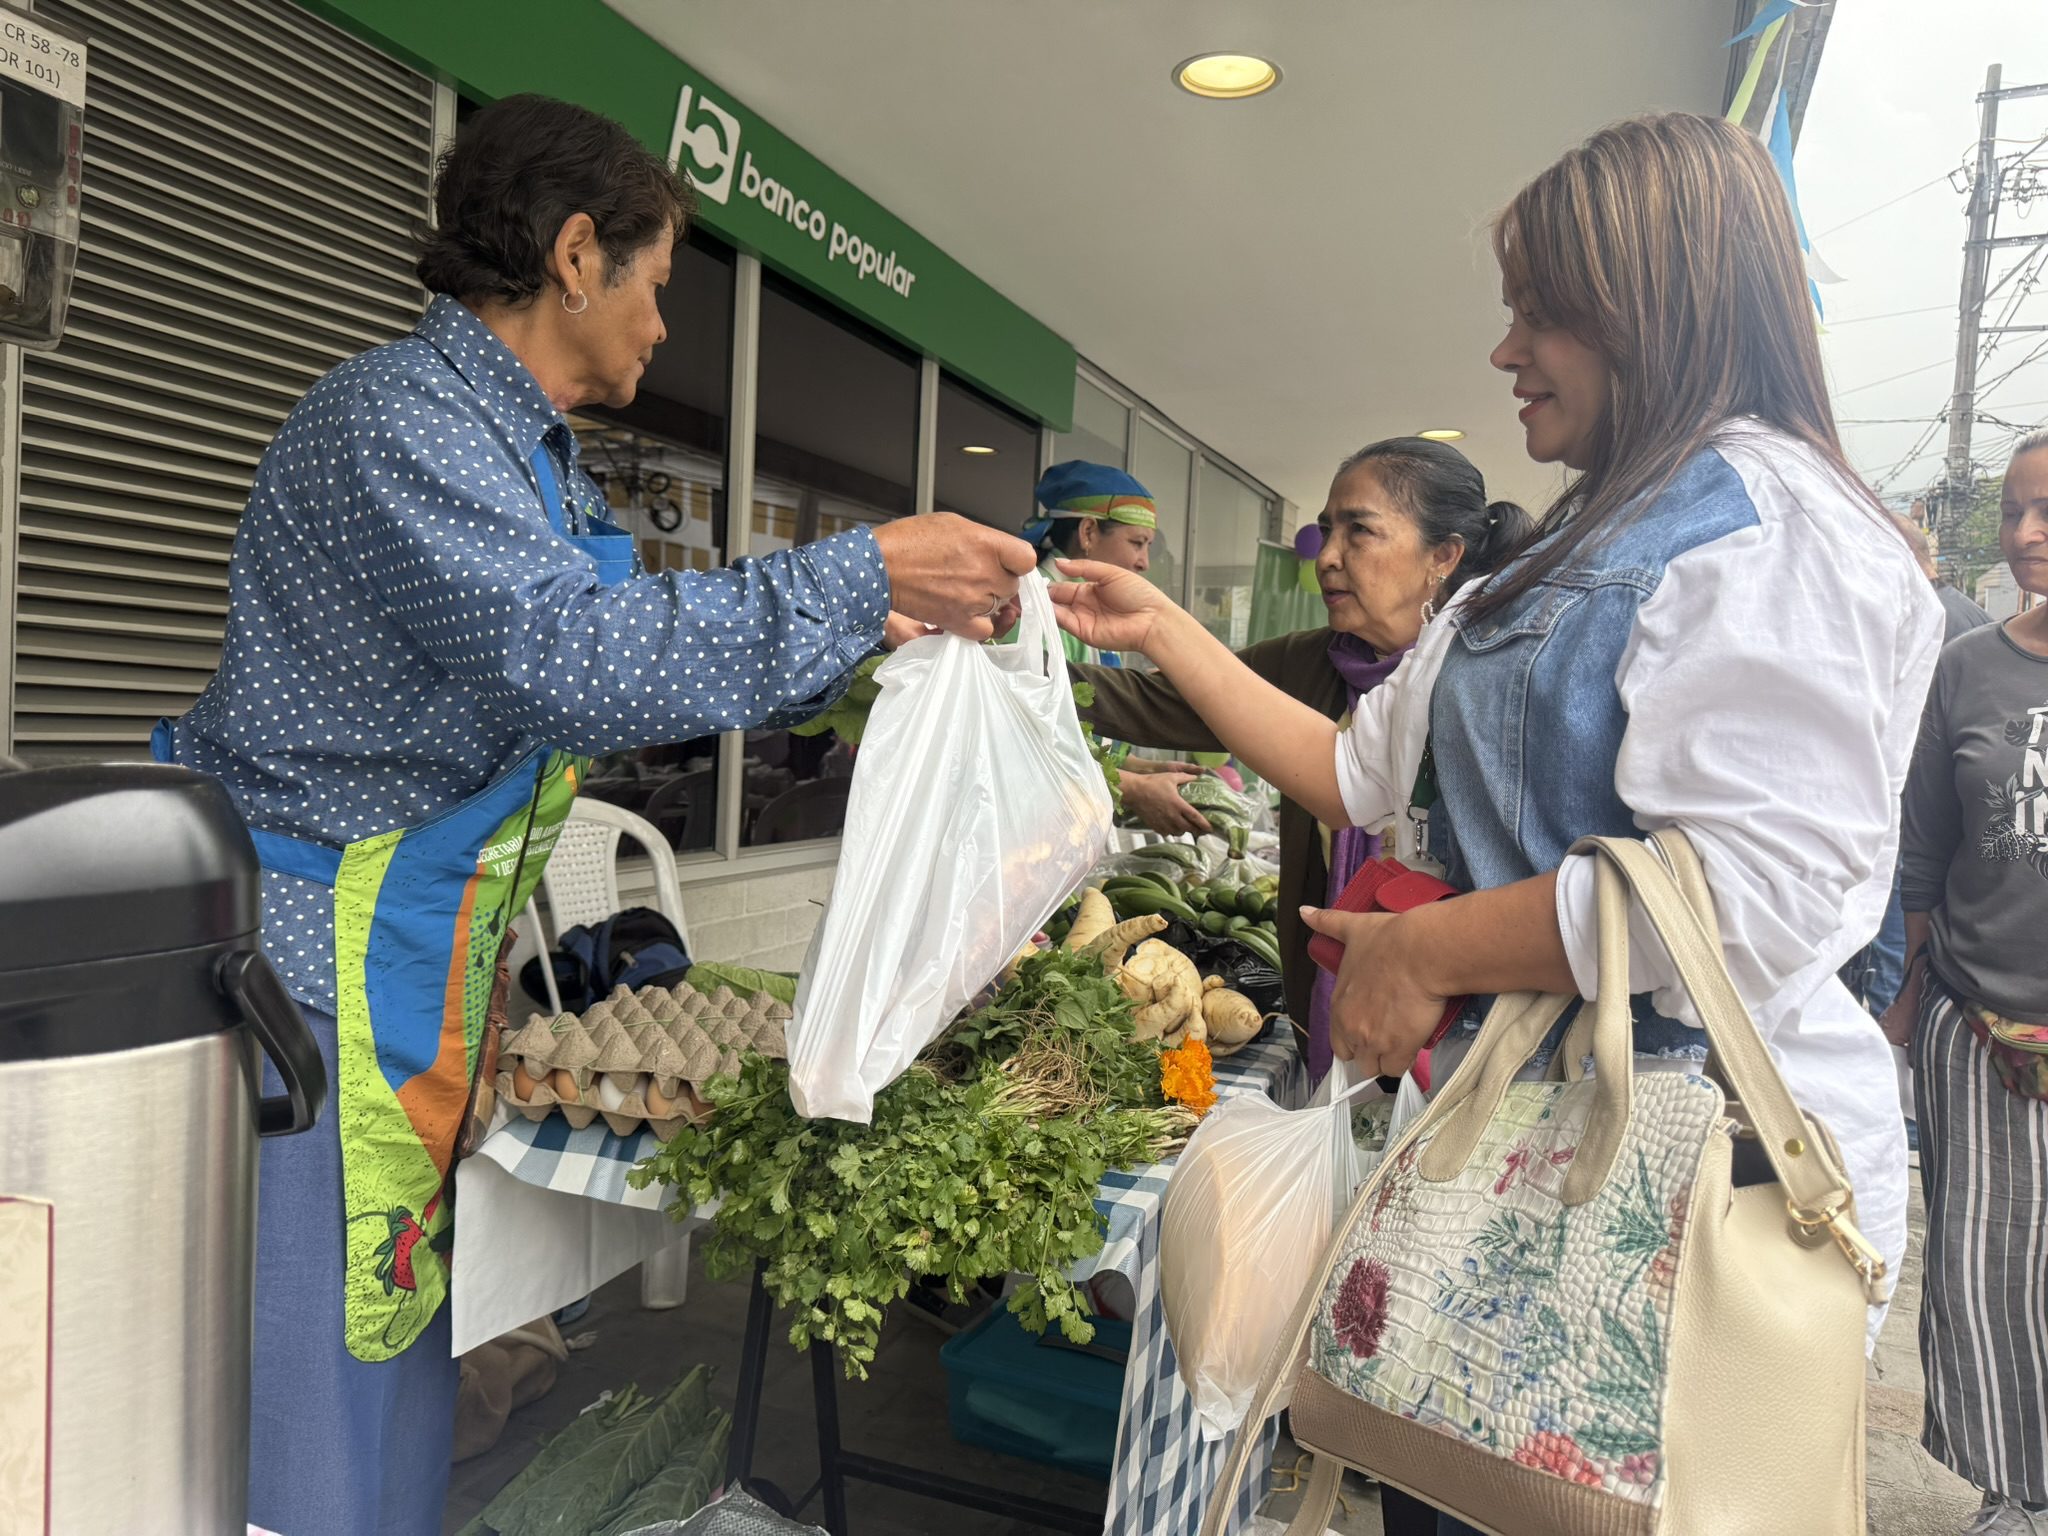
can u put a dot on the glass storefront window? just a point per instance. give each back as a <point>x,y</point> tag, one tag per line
<point>661,463</point>
<point>835,448</point>
<point>1102,428</point>
<point>1161,466</point>
<point>1230,518</point>
<point>990,487</point>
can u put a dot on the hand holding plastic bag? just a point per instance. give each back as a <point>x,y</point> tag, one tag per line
<point>1251,1206</point>
<point>975,809</point>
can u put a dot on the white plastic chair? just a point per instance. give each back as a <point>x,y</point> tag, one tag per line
<point>582,879</point>
<point>582,886</point>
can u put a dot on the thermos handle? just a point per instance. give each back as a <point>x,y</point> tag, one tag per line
<point>274,1019</point>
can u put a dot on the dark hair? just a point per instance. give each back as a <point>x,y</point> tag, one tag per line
<point>518,171</point>
<point>1666,245</point>
<point>1061,535</point>
<point>1446,495</point>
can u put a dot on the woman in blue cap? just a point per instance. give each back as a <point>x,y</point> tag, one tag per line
<point>1092,512</point>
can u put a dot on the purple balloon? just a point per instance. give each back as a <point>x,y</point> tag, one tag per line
<point>1309,542</point>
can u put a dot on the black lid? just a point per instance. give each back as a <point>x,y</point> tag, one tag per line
<point>118,860</point>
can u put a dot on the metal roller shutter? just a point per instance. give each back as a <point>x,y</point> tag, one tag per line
<point>253,176</point>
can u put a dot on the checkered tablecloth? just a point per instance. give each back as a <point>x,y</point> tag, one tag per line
<point>1163,1469</point>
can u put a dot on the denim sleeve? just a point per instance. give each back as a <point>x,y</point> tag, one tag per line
<point>446,526</point>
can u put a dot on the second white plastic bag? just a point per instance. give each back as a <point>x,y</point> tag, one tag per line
<point>975,809</point>
<point>1247,1214</point>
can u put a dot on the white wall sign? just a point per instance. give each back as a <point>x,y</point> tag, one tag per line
<point>43,60</point>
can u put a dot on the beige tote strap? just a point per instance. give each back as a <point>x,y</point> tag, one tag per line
<point>1515,1029</point>
<point>1819,1199</point>
<point>1318,1498</point>
<point>1692,881</point>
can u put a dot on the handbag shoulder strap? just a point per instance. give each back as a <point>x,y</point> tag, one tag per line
<point>1819,1200</point>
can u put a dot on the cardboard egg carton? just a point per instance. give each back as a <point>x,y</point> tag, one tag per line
<point>637,1058</point>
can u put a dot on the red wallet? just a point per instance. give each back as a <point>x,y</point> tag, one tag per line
<point>1388,885</point>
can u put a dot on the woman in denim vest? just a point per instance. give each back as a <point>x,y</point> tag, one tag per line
<point>1717,629</point>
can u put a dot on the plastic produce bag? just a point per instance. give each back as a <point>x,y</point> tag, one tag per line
<point>1251,1205</point>
<point>975,809</point>
<point>1409,1102</point>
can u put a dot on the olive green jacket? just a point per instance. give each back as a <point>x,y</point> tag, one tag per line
<point>1146,710</point>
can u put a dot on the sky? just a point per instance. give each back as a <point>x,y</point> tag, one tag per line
<point>1894,108</point>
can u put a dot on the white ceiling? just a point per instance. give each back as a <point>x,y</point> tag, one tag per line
<point>1287,277</point>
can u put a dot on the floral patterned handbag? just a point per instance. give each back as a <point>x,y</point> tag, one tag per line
<point>1614,1305</point>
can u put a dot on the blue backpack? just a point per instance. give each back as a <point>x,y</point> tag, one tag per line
<point>633,949</point>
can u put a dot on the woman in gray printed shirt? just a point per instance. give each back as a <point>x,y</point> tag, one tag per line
<point>1974,1015</point>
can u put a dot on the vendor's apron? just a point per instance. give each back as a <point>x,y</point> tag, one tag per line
<point>420,914</point>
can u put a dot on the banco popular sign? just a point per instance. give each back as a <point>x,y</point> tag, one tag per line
<point>759,190</point>
<point>705,143</point>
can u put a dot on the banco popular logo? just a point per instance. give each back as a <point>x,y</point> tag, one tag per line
<point>705,145</point>
<point>711,135</point>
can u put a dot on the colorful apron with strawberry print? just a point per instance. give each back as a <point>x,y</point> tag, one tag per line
<point>420,914</point>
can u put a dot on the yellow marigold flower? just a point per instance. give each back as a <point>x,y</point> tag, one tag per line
<point>1187,1076</point>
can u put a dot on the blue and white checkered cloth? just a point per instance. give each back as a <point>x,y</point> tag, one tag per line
<point>1164,1470</point>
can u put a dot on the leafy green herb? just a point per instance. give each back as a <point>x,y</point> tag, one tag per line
<point>1109,759</point>
<point>981,1161</point>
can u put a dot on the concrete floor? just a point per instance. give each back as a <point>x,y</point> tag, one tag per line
<point>901,1414</point>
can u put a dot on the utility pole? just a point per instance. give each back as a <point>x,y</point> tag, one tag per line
<point>1958,483</point>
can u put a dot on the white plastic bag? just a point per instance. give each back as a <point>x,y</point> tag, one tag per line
<point>1251,1206</point>
<point>975,809</point>
<point>1409,1102</point>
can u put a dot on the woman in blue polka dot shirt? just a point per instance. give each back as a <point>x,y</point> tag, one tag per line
<point>428,627</point>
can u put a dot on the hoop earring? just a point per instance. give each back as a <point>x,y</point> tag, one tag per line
<point>1428,614</point>
<point>580,307</point>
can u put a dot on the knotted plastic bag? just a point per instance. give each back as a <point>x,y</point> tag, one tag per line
<point>975,809</point>
<point>1250,1208</point>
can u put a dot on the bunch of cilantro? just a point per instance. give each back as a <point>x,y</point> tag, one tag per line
<point>981,1161</point>
<point>1109,759</point>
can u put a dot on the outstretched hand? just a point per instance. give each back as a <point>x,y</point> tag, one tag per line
<point>1154,798</point>
<point>950,573</point>
<point>1109,608</point>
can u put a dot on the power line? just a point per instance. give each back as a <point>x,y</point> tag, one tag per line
<point>1880,208</point>
<point>1913,454</point>
<point>1891,315</point>
<point>1939,362</point>
<point>2040,347</point>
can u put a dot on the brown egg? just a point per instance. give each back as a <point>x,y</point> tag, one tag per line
<point>659,1105</point>
<point>523,1082</point>
<point>563,1081</point>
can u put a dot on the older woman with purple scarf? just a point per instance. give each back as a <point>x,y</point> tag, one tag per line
<point>1407,523</point>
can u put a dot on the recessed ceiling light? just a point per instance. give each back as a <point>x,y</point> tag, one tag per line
<point>1226,76</point>
<point>1442,434</point>
<point>976,448</point>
